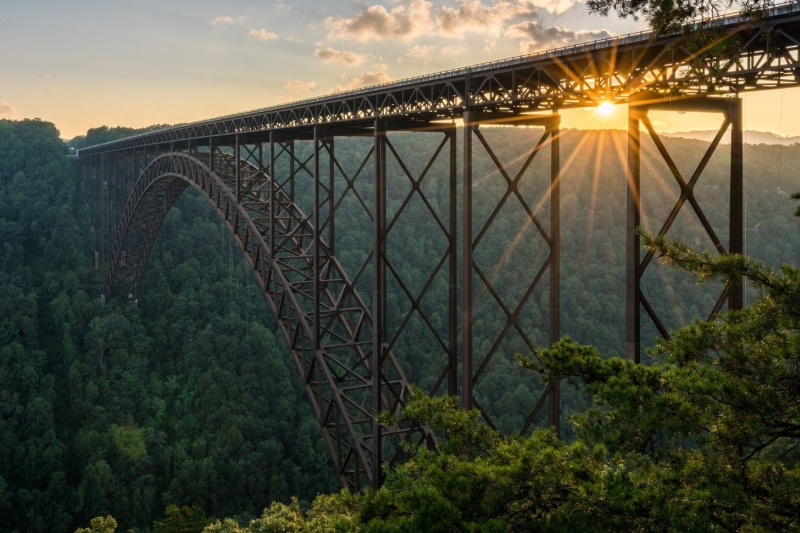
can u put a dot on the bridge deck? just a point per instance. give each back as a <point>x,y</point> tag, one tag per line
<point>575,76</point>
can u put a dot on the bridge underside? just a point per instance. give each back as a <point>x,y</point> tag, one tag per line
<point>343,344</point>
<point>276,179</point>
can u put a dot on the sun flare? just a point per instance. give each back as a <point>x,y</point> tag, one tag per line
<point>605,109</point>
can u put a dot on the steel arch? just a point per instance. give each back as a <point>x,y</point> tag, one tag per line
<point>325,322</point>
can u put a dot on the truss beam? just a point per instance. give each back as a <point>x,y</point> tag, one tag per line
<point>638,114</point>
<point>470,375</point>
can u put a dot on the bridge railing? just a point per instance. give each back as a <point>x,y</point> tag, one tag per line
<point>731,19</point>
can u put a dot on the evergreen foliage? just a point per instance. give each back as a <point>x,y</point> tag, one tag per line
<point>187,398</point>
<point>122,408</point>
<point>707,440</point>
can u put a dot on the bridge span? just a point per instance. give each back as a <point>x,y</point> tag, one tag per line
<point>274,178</point>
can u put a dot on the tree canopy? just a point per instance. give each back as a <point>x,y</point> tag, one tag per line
<point>705,438</point>
<point>668,16</point>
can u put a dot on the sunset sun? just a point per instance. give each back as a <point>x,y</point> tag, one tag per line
<point>605,109</point>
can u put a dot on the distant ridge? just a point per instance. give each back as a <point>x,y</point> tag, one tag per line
<point>750,137</point>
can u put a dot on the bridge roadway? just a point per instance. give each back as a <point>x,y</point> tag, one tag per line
<point>252,168</point>
<point>582,75</point>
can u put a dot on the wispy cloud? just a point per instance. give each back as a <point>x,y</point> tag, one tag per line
<point>7,109</point>
<point>453,19</point>
<point>262,35</point>
<point>377,22</point>
<point>299,86</point>
<point>226,20</point>
<point>329,55</point>
<point>475,16</point>
<point>536,37</point>
<point>374,77</point>
<point>425,53</point>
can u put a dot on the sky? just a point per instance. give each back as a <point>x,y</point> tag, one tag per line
<point>86,63</point>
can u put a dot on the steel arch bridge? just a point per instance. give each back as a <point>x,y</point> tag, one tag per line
<point>257,168</point>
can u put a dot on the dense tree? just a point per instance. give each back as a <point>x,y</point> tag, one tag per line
<point>103,409</point>
<point>707,438</point>
<point>188,397</point>
<point>666,17</point>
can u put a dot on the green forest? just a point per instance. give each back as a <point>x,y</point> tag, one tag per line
<point>183,409</point>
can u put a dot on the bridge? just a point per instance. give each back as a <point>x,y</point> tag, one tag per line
<point>276,181</point>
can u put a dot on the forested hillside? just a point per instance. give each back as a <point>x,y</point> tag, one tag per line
<point>188,396</point>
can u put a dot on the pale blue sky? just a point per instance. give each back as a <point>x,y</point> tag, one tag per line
<point>83,63</point>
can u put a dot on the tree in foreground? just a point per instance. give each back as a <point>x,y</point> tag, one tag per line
<point>668,16</point>
<point>706,438</point>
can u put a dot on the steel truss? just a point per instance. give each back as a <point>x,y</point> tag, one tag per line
<point>550,265</point>
<point>327,325</point>
<point>253,166</point>
<point>635,298</point>
<point>767,56</point>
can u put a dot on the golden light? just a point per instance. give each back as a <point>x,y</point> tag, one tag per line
<point>605,109</point>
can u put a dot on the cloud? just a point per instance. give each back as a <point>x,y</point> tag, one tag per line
<point>420,53</point>
<point>299,86</point>
<point>537,37</point>
<point>415,17</point>
<point>7,109</point>
<point>475,16</point>
<point>374,77</point>
<point>425,54</point>
<point>555,6</point>
<point>227,21</point>
<point>329,55</point>
<point>262,35</point>
<point>376,22</point>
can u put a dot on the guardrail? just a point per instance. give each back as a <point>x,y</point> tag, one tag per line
<point>731,19</point>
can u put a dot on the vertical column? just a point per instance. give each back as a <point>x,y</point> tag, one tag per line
<point>261,170</point>
<point>97,186</point>
<point>112,209</point>
<point>736,234</point>
<point>633,241</point>
<point>555,262</point>
<point>452,273</point>
<point>290,148</point>
<point>466,304</point>
<point>331,196</point>
<point>237,162</point>
<point>316,225</point>
<point>272,189</point>
<point>378,295</point>
<point>104,206</point>
<point>134,173</point>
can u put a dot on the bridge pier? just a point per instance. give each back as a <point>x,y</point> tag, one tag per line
<point>638,114</point>
<point>470,375</point>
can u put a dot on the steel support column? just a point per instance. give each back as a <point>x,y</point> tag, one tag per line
<point>315,261</point>
<point>632,241</point>
<point>272,189</point>
<point>378,297</point>
<point>452,271</point>
<point>238,162</point>
<point>331,195</point>
<point>736,230</point>
<point>554,413</point>
<point>638,109</point>
<point>467,302</point>
<point>514,193</point>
